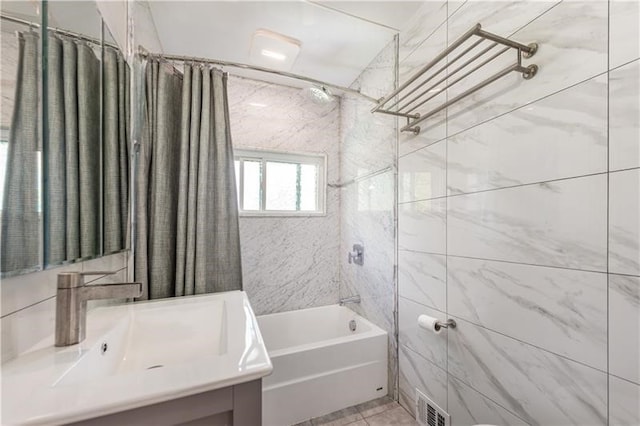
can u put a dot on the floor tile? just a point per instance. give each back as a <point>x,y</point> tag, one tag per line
<point>397,417</point>
<point>376,406</point>
<point>339,418</point>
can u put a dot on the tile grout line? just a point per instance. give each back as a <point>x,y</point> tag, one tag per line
<point>446,217</point>
<point>512,262</point>
<point>27,307</point>
<point>490,399</point>
<point>529,103</point>
<point>624,379</point>
<point>484,327</point>
<point>608,391</point>
<point>514,186</point>
<point>51,297</point>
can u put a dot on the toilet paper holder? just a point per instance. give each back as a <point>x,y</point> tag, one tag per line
<point>446,324</point>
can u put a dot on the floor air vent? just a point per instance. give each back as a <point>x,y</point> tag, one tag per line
<point>428,413</point>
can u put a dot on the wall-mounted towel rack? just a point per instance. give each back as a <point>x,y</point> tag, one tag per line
<point>410,97</point>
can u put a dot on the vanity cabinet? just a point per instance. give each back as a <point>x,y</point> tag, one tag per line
<point>238,405</point>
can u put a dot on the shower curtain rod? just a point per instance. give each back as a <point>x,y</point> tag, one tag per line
<point>178,58</point>
<point>57,30</point>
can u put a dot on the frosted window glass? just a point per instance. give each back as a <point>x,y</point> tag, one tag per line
<point>236,165</point>
<point>252,172</point>
<point>282,185</point>
<point>308,187</point>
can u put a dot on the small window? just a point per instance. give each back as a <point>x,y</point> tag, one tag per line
<point>280,184</point>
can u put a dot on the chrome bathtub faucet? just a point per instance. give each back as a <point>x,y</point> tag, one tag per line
<point>351,299</point>
<point>71,302</point>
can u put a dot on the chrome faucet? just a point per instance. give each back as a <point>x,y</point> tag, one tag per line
<point>71,303</point>
<point>352,299</point>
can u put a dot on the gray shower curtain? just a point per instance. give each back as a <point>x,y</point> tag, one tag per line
<point>116,150</point>
<point>74,151</point>
<point>72,179</point>
<point>187,226</point>
<point>20,211</point>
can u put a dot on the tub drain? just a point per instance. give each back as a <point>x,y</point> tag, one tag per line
<point>155,366</point>
<point>352,325</point>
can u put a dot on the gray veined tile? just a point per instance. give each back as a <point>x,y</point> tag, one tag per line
<point>624,327</point>
<point>429,345</point>
<point>422,278</point>
<point>624,32</point>
<point>624,116</point>
<point>535,143</point>
<point>469,408</point>
<point>418,373</point>
<point>434,129</point>
<point>430,16</point>
<point>500,17</point>
<point>570,33</point>
<point>422,226</point>
<point>624,402</point>
<point>561,223</point>
<point>624,222</point>
<point>422,174</point>
<point>537,386</point>
<point>431,131</point>
<point>561,310</point>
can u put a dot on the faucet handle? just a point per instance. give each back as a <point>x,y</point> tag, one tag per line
<point>75,279</point>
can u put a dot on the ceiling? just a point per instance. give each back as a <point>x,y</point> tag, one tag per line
<point>80,17</point>
<point>338,39</point>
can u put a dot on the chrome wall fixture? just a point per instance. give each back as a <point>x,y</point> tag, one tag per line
<point>408,99</point>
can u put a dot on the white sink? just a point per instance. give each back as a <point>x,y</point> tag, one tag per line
<point>135,355</point>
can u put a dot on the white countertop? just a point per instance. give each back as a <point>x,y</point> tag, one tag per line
<point>203,343</point>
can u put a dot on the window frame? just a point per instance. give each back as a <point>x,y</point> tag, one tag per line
<point>264,156</point>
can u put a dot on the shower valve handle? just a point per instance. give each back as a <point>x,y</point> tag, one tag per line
<point>357,255</point>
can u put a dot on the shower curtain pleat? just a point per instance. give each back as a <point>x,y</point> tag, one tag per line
<point>116,148</point>
<point>163,209</point>
<point>56,185</point>
<point>89,150</point>
<point>72,139</point>
<point>73,159</point>
<point>225,267</point>
<point>187,235</point>
<point>20,211</point>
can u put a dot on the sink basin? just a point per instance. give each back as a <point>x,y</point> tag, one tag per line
<point>155,337</point>
<point>135,355</point>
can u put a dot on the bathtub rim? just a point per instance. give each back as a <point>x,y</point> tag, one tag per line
<point>374,331</point>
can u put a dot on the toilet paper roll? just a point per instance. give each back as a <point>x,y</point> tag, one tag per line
<point>429,323</point>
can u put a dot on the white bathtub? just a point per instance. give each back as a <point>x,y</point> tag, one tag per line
<point>319,364</point>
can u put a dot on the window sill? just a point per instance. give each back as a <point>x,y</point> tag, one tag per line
<point>282,214</point>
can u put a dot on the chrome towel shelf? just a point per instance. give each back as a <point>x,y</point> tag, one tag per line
<point>410,97</point>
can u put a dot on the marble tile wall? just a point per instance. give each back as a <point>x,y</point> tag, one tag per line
<point>368,152</point>
<point>288,262</point>
<point>518,217</point>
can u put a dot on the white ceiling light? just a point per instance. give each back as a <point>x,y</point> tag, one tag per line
<point>272,50</point>
<point>274,55</point>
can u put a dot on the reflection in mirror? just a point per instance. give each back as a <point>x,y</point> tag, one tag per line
<point>83,144</point>
<point>116,150</point>
<point>87,112</point>
<point>20,142</point>
<point>72,145</point>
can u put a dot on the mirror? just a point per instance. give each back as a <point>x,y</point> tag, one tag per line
<point>83,208</point>
<point>20,140</point>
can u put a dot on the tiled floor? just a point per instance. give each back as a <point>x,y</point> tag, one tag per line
<point>379,412</point>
